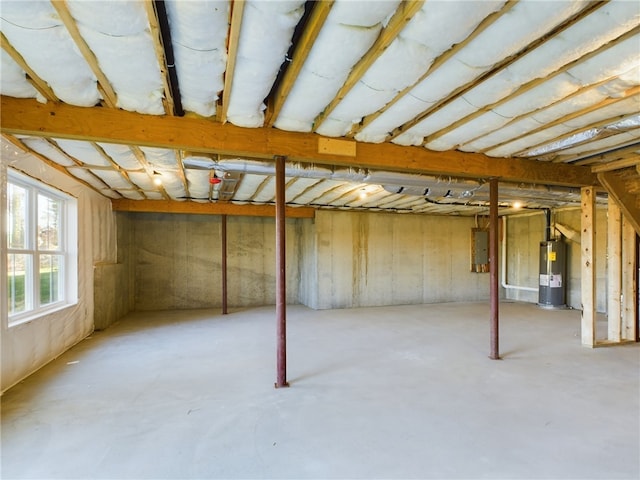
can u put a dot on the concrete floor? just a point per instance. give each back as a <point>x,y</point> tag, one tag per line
<point>390,392</point>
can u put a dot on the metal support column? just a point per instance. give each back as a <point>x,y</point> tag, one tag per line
<point>493,267</point>
<point>281,295</point>
<point>223,234</point>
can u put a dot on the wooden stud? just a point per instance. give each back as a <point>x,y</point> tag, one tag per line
<point>588,269</point>
<point>32,77</point>
<point>237,9</point>
<point>629,284</point>
<point>403,14</point>
<point>303,48</point>
<point>110,98</point>
<point>28,117</point>
<point>196,208</point>
<point>614,274</point>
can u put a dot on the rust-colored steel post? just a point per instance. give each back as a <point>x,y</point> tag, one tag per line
<point>493,267</point>
<point>223,234</point>
<point>281,294</point>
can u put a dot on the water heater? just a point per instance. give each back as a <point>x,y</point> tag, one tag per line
<point>551,291</point>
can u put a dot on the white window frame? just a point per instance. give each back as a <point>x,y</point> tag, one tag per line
<point>68,250</point>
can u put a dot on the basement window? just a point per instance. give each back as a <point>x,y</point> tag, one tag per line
<point>41,249</point>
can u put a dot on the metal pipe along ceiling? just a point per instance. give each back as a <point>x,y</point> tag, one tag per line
<point>393,182</point>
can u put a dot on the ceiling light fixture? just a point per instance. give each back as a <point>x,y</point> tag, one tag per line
<point>517,205</point>
<point>157,178</point>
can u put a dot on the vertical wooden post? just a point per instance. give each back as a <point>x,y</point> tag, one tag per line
<point>629,282</point>
<point>223,235</point>
<point>493,268</point>
<point>281,295</point>
<point>588,270</point>
<point>614,270</point>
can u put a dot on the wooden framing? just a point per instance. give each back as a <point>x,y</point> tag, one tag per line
<point>614,270</point>
<point>438,62</point>
<point>460,91</point>
<point>147,168</point>
<point>584,111</point>
<point>597,156</point>
<point>629,284</point>
<point>110,97</point>
<point>32,77</point>
<point>588,269</point>
<point>316,21</point>
<point>617,164</point>
<point>237,10</point>
<point>600,135</point>
<point>626,200</point>
<point>168,206</point>
<point>28,117</point>
<point>403,14</point>
<point>159,48</point>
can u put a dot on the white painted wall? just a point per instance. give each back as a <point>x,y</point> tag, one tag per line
<point>28,346</point>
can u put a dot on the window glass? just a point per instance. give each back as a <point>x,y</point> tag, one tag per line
<point>17,201</point>
<point>19,268</point>
<point>49,211</point>
<point>41,268</point>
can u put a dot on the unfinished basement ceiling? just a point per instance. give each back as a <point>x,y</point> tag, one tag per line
<point>555,82</point>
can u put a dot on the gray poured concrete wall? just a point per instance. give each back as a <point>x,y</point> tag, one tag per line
<point>178,261</point>
<point>372,259</point>
<point>524,234</point>
<point>308,263</point>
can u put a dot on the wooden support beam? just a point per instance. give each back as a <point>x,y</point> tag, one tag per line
<point>32,77</point>
<point>110,97</point>
<point>237,10</point>
<point>312,29</point>
<point>403,14</point>
<point>28,117</point>
<point>616,188</point>
<point>196,208</point>
<point>629,283</point>
<point>614,270</point>
<point>588,269</point>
